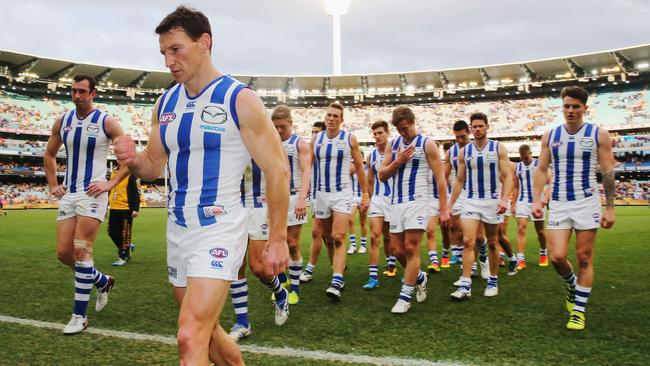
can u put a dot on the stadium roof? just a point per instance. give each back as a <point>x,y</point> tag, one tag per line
<point>626,61</point>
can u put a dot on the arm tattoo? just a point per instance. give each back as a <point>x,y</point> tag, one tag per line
<point>609,186</point>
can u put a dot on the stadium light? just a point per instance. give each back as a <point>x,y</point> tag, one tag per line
<point>336,9</point>
<point>642,66</point>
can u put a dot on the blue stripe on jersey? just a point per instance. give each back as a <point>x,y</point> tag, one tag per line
<point>400,179</point>
<point>454,162</point>
<point>65,143</point>
<point>257,185</point>
<point>90,152</point>
<point>219,93</point>
<point>76,145</point>
<point>292,186</point>
<point>555,150</point>
<point>586,162</point>
<point>328,154</point>
<point>414,169</point>
<point>339,163</point>
<point>162,102</point>
<point>233,103</point>
<point>493,170</point>
<point>182,161</point>
<point>468,179</point>
<point>435,187</point>
<point>528,186</point>
<point>242,191</point>
<point>570,155</point>
<point>211,168</point>
<point>104,126</point>
<point>317,181</point>
<point>479,172</point>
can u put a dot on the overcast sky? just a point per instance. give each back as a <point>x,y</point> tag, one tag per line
<point>294,37</point>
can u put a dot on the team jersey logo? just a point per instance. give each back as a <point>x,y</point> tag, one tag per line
<point>219,253</point>
<point>491,156</point>
<point>556,144</point>
<point>586,142</point>
<point>190,105</point>
<point>212,211</point>
<point>214,115</point>
<point>168,117</point>
<point>92,129</point>
<point>216,264</point>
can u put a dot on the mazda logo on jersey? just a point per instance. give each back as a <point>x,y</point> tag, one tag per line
<point>586,142</point>
<point>92,129</point>
<point>214,114</point>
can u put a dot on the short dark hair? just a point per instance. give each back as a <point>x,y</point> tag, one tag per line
<point>575,92</point>
<point>190,20</point>
<point>478,115</point>
<point>402,113</point>
<point>461,125</point>
<point>447,145</point>
<point>81,77</point>
<point>320,124</point>
<point>379,124</point>
<point>524,147</point>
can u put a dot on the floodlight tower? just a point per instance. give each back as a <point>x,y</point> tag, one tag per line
<point>336,9</point>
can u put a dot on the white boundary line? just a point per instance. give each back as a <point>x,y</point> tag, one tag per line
<point>284,351</point>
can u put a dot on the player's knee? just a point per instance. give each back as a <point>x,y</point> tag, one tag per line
<point>493,243</point>
<point>583,257</point>
<point>294,248</point>
<point>521,228</point>
<point>557,257</point>
<point>411,248</point>
<point>397,251</point>
<point>185,339</point>
<point>468,242</point>
<point>338,239</point>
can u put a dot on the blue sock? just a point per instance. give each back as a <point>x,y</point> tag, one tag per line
<point>278,290</point>
<point>337,280</point>
<point>482,251</point>
<point>433,257</point>
<point>493,281</point>
<point>353,240</point>
<point>363,241</point>
<point>83,286</point>
<point>239,295</point>
<point>99,279</point>
<point>582,295</point>
<point>373,270</point>
<point>282,277</point>
<point>310,268</point>
<point>406,292</point>
<point>570,279</point>
<point>294,274</point>
<point>420,278</point>
<point>445,253</point>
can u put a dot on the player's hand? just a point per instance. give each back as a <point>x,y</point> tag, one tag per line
<point>300,210</point>
<point>365,204</point>
<point>97,188</point>
<point>544,201</point>
<point>502,207</point>
<point>58,191</point>
<point>134,214</point>
<point>124,149</point>
<point>513,207</point>
<point>405,155</point>
<point>608,218</point>
<point>538,209</point>
<point>275,257</point>
<point>444,216</point>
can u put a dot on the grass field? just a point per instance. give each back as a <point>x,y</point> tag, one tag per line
<point>524,325</point>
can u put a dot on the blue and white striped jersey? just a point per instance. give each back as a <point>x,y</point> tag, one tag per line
<point>411,181</point>
<point>574,158</point>
<point>86,146</point>
<point>356,186</point>
<point>332,162</point>
<point>253,186</point>
<point>482,171</point>
<point>206,155</point>
<point>291,148</point>
<point>380,188</point>
<point>525,174</point>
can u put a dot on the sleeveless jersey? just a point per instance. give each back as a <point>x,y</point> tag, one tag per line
<point>291,148</point>
<point>206,155</point>
<point>411,181</point>
<point>574,158</point>
<point>525,174</point>
<point>332,162</point>
<point>86,146</point>
<point>482,171</point>
<point>253,187</point>
<point>380,188</point>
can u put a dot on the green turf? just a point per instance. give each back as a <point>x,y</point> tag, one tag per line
<point>524,325</point>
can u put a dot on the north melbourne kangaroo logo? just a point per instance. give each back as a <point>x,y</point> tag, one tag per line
<point>214,114</point>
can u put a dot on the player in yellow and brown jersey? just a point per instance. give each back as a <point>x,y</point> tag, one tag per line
<point>124,203</point>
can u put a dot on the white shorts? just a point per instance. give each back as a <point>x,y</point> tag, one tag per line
<point>380,207</point>
<point>525,211</point>
<point>413,215</point>
<point>457,210</point>
<point>312,207</point>
<point>257,223</point>
<point>291,215</point>
<point>213,251</point>
<point>356,201</point>
<point>583,214</point>
<point>434,207</point>
<point>81,204</point>
<point>326,202</point>
<point>484,210</point>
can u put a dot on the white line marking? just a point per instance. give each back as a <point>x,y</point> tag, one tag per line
<point>284,351</point>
